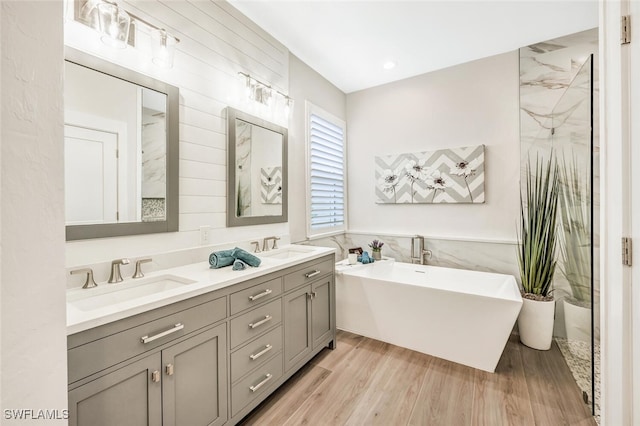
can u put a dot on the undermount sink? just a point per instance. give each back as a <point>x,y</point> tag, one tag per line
<point>287,252</point>
<point>111,294</point>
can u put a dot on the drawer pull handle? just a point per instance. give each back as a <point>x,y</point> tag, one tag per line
<point>262,352</point>
<point>312,274</point>
<point>259,385</point>
<point>147,339</point>
<point>259,295</point>
<point>155,376</point>
<point>267,318</point>
<point>169,369</point>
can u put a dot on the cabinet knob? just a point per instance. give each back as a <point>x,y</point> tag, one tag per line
<point>155,376</point>
<point>169,369</point>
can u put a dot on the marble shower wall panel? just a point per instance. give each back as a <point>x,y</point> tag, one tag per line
<point>498,257</point>
<point>154,179</point>
<point>243,168</point>
<point>554,93</point>
<point>546,71</point>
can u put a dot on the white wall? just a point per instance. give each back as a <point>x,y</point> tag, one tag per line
<point>305,84</point>
<point>33,365</point>
<point>216,42</point>
<point>469,104</point>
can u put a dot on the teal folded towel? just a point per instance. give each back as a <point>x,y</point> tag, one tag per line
<point>220,259</point>
<point>366,258</point>
<point>239,265</point>
<point>246,257</point>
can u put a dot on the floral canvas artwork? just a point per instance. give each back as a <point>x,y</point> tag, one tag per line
<point>454,175</point>
<point>271,185</point>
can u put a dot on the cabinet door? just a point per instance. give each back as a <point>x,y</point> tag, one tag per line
<point>129,396</point>
<point>297,326</point>
<point>194,380</point>
<point>321,315</point>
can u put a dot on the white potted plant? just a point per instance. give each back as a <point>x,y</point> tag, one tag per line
<point>575,256</point>
<point>537,253</point>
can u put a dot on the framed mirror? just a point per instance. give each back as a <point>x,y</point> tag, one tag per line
<point>121,150</point>
<point>257,170</point>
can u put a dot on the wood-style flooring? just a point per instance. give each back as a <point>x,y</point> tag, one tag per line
<point>368,382</point>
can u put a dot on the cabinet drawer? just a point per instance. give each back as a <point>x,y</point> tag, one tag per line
<point>308,274</point>
<point>102,353</point>
<point>255,353</point>
<point>255,322</point>
<point>255,384</point>
<point>255,295</point>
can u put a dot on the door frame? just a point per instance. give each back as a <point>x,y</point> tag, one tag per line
<point>617,97</point>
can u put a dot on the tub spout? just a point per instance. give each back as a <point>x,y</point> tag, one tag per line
<point>418,252</point>
<point>417,247</point>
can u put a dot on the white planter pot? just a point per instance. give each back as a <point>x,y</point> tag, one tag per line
<point>577,322</point>
<point>535,323</point>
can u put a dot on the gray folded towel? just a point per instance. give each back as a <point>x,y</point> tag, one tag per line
<point>246,257</point>
<point>239,265</point>
<point>220,259</point>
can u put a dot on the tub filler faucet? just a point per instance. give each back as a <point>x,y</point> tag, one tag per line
<point>418,252</point>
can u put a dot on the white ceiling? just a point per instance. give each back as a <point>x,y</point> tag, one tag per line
<point>348,41</point>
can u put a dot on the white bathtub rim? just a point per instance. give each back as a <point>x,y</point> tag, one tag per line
<point>357,271</point>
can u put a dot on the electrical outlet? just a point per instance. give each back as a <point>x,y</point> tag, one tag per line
<point>205,235</point>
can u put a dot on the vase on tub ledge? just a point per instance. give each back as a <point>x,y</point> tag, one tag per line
<point>376,249</point>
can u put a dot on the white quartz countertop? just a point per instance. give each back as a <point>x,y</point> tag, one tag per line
<point>202,280</point>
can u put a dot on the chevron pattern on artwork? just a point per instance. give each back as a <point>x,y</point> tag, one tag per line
<point>271,185</point>
<point>454,175</point>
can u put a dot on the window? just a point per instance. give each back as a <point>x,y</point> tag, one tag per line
<point>326,172</point>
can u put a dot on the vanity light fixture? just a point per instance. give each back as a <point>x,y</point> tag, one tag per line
<point>113,22</point>
<point>162,48</point>
<point>263,93</point>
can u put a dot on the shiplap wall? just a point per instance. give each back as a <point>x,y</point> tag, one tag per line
<point>216,42</point>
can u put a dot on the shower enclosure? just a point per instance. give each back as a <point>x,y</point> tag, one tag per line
<point>570,133</point>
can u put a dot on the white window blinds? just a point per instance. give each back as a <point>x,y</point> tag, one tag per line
<point>327,175</point>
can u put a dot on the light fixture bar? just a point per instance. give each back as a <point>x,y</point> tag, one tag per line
<point>268,86</point>
<point>83,10</point>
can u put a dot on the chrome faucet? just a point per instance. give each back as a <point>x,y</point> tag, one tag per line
<point>89,281</point>
<point>265,243</point>
<point>138,273</point>
<point>418,253</point>
<point>116,276</point>
<point>256,249</point>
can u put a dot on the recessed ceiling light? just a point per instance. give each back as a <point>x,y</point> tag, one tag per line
<point>389,65</point>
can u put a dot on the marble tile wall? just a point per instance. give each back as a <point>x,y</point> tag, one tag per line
<point>154,180</point>
<point>554,93</point>
<point>498,256</point>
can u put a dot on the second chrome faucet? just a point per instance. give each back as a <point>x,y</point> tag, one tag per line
<point>116,275</point>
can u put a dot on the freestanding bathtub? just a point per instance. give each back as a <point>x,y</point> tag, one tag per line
<point>459,315</point>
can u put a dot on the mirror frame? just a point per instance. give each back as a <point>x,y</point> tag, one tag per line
<point>170,224</point>
<point>232,219</point>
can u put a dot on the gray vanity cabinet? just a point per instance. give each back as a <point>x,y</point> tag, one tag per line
<point>308,320</point>
<point>297,326</point>
<point>322,317</point>
<point>208,360</point>
<point>182,384</point>
<point>194,388</point>
<point>163,367</point>
<point>126,396</point>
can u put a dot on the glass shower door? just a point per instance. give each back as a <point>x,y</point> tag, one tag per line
<point>575,283</point>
